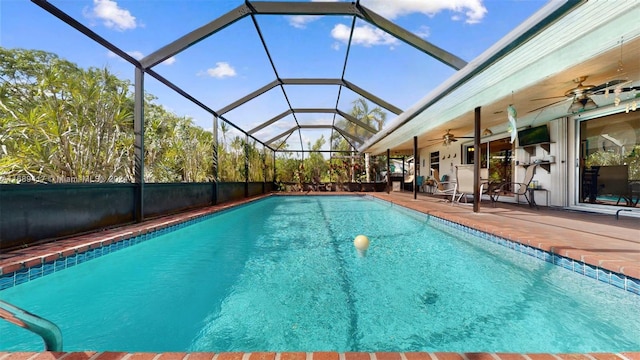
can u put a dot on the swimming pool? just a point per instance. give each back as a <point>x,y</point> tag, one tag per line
<point>281,274</point>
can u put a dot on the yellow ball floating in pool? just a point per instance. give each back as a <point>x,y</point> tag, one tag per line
<point>361,242</point>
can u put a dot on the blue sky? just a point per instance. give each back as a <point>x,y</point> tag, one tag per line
<point>233,62</point>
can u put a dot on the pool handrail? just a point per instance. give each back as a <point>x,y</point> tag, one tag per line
<point>48,331</point>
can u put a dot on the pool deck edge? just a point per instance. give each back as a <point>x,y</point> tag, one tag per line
<point>321,355</point>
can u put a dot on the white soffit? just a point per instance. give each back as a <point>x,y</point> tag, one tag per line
<point>587,31</point>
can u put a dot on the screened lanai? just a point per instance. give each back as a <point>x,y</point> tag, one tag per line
<point>220,100</point>
<point>211,100</point>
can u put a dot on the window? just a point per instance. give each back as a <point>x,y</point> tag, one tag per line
<point>469,151</point>
<point>499,159</point>
<point>434,161</point>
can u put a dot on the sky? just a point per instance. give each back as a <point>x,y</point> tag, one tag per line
<point>233,62</point>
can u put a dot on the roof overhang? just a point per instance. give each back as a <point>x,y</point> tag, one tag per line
<point>549,47</point>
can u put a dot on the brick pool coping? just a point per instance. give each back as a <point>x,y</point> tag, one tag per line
<point>91,355</point>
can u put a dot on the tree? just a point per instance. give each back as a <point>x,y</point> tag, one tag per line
<point>316,168</point>
<point>62,123</point>
<point>175,149</point>
<point>375,118</point>
<point>287,167</point>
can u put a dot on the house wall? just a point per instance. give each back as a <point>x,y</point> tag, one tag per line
<point>451,155</point>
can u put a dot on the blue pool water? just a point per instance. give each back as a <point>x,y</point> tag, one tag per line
<point>282,274</point>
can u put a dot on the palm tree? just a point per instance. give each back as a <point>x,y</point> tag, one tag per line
<point>224,128</point>
<point>375,118</point>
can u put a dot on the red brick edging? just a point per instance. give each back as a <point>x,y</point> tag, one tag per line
<point>91,355</point>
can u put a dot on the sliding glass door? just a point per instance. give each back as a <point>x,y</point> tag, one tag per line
<point>609,168</point>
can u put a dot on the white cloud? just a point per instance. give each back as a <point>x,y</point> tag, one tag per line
<point>306,139</point>
<point>112,15</point>
<point>424,32</point>
<point>472,10</point>
<point>169,61</point>
<point>301,21</point>
<point>136,54</point>
<point>222,70</point>
<point>365,35</point>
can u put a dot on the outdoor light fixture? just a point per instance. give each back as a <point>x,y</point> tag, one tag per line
<point>487,132</point>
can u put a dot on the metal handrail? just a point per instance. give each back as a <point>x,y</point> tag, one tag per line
<point>48,331</point>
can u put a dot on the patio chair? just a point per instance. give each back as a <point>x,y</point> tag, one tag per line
<point>464,183</point>
<point>522,187</point>
<point>590,184</point>
<point>419,182</point>
<point>441,184</point>
<point>408,182</point>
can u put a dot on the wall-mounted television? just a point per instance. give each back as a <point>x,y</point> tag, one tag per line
<point>534,135</point>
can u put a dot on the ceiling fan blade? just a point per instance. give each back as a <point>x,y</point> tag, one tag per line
<point>548,98</point>
<point>609,84</point>
<point>548,105</point>
<point>611,90</point>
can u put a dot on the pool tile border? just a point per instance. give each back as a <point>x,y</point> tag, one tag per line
<point>606,276</point>
<point>319,355</point>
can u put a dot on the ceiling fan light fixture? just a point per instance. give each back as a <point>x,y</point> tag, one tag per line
<point>589,104</point>
<point>583,103</point>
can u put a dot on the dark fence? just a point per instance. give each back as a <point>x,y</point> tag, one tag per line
<point>231,191</point>
<point>255,189</point>
<point>161,199</point>
<point>31,213</point>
